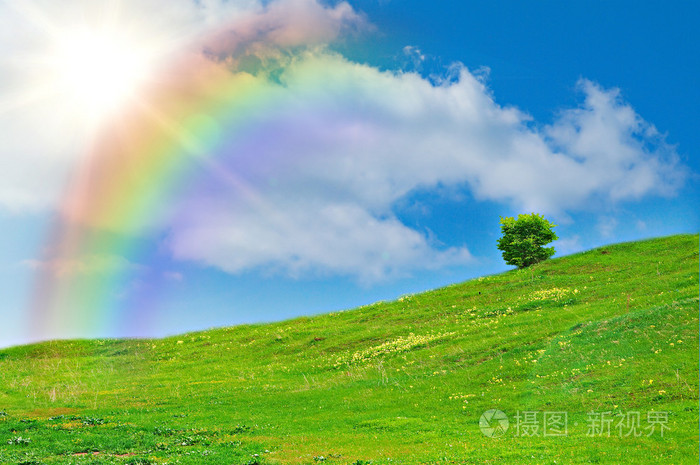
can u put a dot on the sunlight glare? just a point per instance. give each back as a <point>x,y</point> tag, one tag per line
<point>100,70</point>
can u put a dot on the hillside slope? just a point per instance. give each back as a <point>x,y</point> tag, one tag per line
<point>593,358</point>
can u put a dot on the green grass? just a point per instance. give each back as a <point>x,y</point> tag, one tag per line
<point>405,382</point>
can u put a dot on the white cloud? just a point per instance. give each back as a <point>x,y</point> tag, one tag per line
<point>318,173</point>
<point>301,236</point>
<point>262,31</point>
<point>624,156</point>
<point>175,276</point>
<point>372,137</point>
<point>413,58</point>
<point>606,226</point>
<point>568,245</point>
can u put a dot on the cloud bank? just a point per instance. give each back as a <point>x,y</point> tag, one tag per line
<point>346,141</point>
<point>377,136</point>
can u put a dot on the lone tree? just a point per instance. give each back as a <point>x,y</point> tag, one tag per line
<point>523,239</point>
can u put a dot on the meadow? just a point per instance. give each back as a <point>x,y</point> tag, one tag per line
<point>592,357</point>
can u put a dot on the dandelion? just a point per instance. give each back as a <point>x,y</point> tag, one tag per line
<point>551,294</point>
<point>398,345</point>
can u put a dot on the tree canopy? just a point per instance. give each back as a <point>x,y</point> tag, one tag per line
<point>524,239</point>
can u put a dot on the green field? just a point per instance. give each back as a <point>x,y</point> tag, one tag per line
<point>593,357</point>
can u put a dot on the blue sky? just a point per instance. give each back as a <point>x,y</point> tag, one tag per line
<point>608,85</point>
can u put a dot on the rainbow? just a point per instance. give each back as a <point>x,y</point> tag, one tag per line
<point>134,180</point>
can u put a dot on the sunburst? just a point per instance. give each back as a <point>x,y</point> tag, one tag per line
<point>88,61</point>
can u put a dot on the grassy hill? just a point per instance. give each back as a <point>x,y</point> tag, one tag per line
<point>608,337</point>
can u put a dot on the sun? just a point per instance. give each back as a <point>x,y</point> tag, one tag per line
<point>88,59</point>
<point>99,70</point>
<point>83,63</point>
